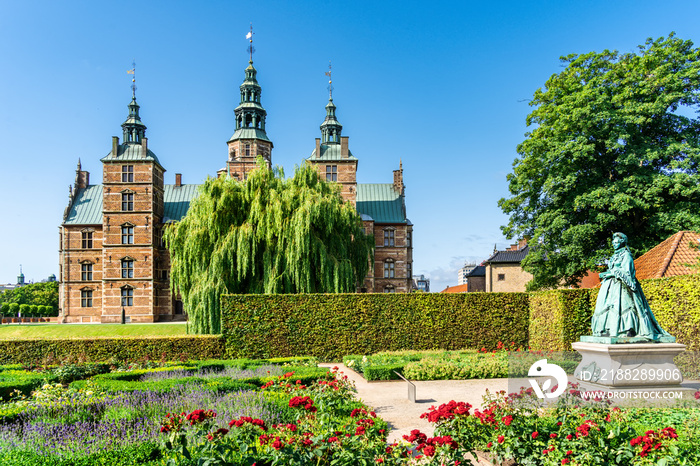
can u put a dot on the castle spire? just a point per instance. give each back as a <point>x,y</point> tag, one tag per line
<point>330,128</point>
<point>134,129</point>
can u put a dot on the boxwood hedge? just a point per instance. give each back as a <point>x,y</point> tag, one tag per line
<point>329,326</point>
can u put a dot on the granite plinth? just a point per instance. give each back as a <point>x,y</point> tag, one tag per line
<point>635,365</point>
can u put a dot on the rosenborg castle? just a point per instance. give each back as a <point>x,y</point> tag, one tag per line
<point>112,255</point>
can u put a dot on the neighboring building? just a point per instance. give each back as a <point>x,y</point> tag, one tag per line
<point>503,270</point>
<point>476,279</point>
<point>421,283</point>
<point>464,271</point>
<point>12,286</point>
<point>382,207</point>
<point>678,254</point>
<point>112,255</point>
<point>456,289</point>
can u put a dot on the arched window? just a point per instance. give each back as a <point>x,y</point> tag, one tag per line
<point>388,268</point>
<point>389,289</point>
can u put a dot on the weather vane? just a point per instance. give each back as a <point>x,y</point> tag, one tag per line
<point>132,71</point>
<point>330,80</point>
<point>249,36</point>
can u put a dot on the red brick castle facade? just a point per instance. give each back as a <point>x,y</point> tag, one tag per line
<point>112,257</point>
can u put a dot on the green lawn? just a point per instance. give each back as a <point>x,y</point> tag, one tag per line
<point>51,331</point>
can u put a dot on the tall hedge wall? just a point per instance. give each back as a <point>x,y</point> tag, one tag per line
<point>332,325</point>
<point>558,318</point>
<point>106,349</point>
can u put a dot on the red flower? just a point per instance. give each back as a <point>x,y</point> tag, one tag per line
<point>535,434</point>
<point>552,435</point>
<point>489,445</point>
<point>500,439</point>
<point>565,461</point>
<point>507,419</point>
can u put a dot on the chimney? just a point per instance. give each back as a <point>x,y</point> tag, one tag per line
<point>344,152</point>
<point>144,145</point>
<point>115,146</point>
<point>178,179</point>
<point>398,179</point>
<point>522,243</point>
<point>318,148</point>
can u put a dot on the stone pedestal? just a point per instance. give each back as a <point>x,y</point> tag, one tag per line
<point>631,365</point>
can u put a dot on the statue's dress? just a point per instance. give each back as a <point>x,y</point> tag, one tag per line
<point>621,304</point>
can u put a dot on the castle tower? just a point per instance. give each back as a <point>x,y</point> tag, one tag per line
<point>249,140</point>
<point>332,157</point>
<point>133,206</point>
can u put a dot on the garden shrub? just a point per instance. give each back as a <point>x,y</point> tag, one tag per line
<point>14,309</point>
<point>33,309</point>
<point>384,372</point>
<point>24,309</point>
<point>330,325</point>
<point>22,381</point>
<point>5,308</point>
<point>106,349</point>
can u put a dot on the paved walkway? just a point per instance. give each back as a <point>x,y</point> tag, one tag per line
<point>390,399</point>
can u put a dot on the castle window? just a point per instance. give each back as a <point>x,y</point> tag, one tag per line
<point>127,296</point>
<point>501,277</point>
<point>388,237</point>
<point>389,269</point>
<point>87,240</point>
<point>408,239</point>
<point>86,272</point>
<point>127,268</point>
<point>127,234</point>
<point>247,150</point>
<point>331,172</point>
<point>85,298</point>
<point>389,289</point>
<point>128,201</point>
<point>127,173</point>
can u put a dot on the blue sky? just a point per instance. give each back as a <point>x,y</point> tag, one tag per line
<point>442,86</point>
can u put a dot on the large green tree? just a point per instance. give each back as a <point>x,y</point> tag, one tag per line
<point>45,293</point>
<point>265,235</point>
<point>615,147</point>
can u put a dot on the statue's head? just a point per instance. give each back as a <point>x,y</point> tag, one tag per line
<point>621,237</point>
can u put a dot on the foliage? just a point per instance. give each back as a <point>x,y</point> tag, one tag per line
<point>5,308</point>
<point>24,309</point>
<point>265,235</point>
<point>612,150</point>
<point>558,318</point>
<point>14,308</point>
<point>106,349</point>
<point>82,331</point>
<point>35,293</point>
<point>330,326</point>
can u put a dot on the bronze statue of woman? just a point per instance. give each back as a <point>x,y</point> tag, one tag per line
<point>621,309</point>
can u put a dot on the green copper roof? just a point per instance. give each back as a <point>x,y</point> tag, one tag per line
<point>249,133</point>
<point>330,153</point>
<point>177,200</point>
<point>131,153</point>
<point>87,207</point>
<point>381,202</point>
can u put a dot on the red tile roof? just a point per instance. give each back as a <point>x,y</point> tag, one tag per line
<point>675,256</point>
<point>456,289</point>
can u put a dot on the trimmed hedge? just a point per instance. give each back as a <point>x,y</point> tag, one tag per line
<point>106,349</point>
<point>329,326</point>
<point>25,382</point>
<point>558,318</point>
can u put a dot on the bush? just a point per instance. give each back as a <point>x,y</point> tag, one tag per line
<point>107,349</point>
<point>14,309</point>
<point>5,308</point>
<point>24,309</point>
<point>33,310</point>
<point>24,382</point>
<point>330,325</point>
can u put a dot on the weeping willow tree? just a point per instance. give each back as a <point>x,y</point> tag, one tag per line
<point>267,234</point>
